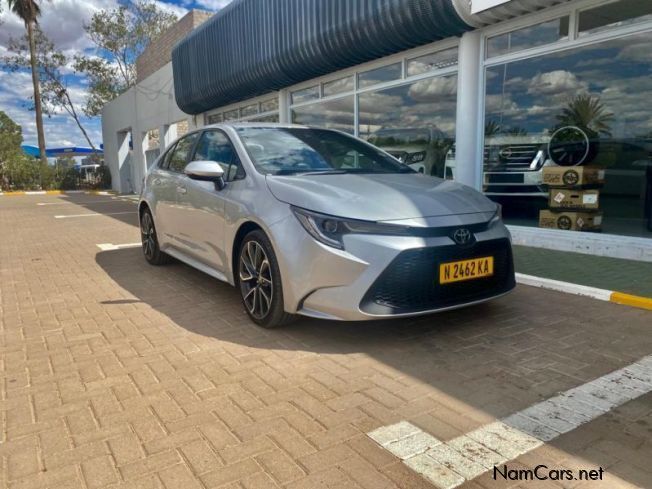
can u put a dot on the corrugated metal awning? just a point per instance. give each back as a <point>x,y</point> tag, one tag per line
<point>255,46</point>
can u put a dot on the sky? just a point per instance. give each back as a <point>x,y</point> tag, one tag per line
<point>62,21</point>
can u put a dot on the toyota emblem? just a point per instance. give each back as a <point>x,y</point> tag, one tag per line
<point>462,236</point>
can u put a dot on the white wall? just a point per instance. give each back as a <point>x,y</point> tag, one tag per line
<point>148,105</point>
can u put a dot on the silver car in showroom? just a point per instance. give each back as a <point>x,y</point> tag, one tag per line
<point>319,223</point>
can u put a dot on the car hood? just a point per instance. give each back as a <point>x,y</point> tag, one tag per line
<point>379,197</point>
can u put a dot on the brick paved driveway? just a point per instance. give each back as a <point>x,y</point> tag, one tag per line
<point>118,374</point>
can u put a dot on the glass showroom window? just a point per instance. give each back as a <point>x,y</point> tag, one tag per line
<point>265,118</point>
<point>331,114</point>
<point>580,120</point>
<point>415,122</point>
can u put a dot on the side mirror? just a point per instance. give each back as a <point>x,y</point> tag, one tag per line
<point>206,171</point>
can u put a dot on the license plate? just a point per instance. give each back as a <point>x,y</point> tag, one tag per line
<point>457,271</point>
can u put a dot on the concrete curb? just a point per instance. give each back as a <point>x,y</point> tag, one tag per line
<point>586,291</point>
<point>58,192</point>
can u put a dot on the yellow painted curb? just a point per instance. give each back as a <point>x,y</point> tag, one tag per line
<point>631,300</point>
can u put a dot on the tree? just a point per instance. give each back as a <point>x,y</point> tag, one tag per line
<point>11,137</point>
<point>29,11</point>
<point>120,35</point>
<point>17,170</point>
<point>588,113</point>
<point>491,128</point>
<point>55,95</point>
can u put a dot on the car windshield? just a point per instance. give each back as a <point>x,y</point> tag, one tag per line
<point>287,151</point>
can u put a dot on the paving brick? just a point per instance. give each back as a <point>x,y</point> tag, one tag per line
<point>280,466</point>
<point>365,474</point>
<point>179,476</point>
<point>126,448</point>
<point>99,472</point>
<point>230,473</point>
<point>158,373</point>
<point>247,449</point>
<point>153,463</point>
<point>326,479</point>
<point>322,459</point>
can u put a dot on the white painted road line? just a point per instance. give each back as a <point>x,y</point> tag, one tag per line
<point>448,464</point>
<point>113,247</point>
<point>112,201</point>
<point>94,214</point>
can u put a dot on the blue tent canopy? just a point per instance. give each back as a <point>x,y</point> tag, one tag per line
<point>66,151</point>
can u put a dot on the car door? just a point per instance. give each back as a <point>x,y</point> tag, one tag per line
<point>203,205</point>
<point>163,194</point>
<point>169,183</point>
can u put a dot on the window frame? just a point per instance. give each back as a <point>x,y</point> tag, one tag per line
<point>162,163</point>
<point>173,147</point>
<point>234,153</point>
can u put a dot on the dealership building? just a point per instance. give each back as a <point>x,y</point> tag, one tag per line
<point>545,105</point>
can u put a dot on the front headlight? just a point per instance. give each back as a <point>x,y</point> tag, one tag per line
<point>330,230</point>
<point>498,215</point>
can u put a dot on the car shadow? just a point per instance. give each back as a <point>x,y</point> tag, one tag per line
<point>497,357</point>
<point>121,209</point>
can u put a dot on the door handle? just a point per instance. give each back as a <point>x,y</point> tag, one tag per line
<point>181,190</point>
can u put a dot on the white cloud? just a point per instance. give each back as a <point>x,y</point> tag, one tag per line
<point>177,10</point>
<point>62,20</point>
<point>431,90</point>
<point>556,82</point>
<point>213,5</point>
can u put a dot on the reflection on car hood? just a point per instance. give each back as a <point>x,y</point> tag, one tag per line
<point>378,197</point>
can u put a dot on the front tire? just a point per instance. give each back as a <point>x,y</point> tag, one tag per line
<point>151,249</point>
<point>259,281</point>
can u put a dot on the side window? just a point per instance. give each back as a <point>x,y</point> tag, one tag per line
<point>165,161</point>
<point>179,155</point>
<point>215,146</point>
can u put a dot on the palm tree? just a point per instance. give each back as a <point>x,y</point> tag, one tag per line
<point>587,112</point>
<point>29,11</point>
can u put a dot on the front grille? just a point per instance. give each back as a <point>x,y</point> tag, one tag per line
<point>411,282</point>
<point>511,157</point>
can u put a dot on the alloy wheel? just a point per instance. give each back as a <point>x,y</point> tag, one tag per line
<point>148,235</point>
<point>256,280</point>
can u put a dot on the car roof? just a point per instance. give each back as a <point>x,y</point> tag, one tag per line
<point>237,125</point>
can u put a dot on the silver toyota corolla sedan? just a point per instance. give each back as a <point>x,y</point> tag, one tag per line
<point>319,223</point>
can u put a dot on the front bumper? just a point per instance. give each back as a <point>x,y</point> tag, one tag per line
<point>388,276</point>
<point>526,183</point>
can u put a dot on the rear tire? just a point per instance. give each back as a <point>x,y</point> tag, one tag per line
<point>151,249</point>
<point>259,280</point>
